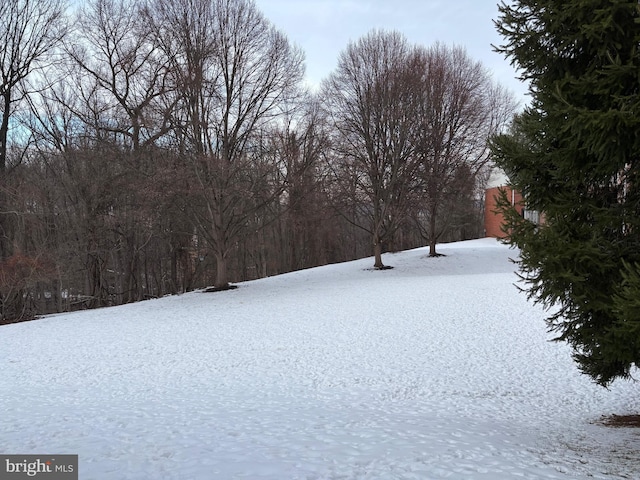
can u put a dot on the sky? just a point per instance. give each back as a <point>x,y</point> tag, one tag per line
<point>324,28</point>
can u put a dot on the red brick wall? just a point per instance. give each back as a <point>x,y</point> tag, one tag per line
<point>493,221</point>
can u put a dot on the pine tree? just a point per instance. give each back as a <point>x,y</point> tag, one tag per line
<point>574,153</point>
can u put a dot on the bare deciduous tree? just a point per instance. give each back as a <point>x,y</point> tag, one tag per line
<point>306,216</point>
<point>298,145</point>
<point>29,31</point>
<point>236,71</point>
<point>372,98</point>
<point>460,109</point>
<point>127,75</point>
<point>121,56</point>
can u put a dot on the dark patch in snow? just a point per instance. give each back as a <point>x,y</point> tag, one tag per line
<point>375,269</point>
<point>621,421</point>
<point>219,289</point>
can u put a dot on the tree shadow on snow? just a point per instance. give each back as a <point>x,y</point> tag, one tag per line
<point>219,289</point>
<point>618,421</point>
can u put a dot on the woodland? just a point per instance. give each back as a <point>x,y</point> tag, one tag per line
<point>153,147</point>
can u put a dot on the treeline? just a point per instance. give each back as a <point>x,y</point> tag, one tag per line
<point>152,147</point>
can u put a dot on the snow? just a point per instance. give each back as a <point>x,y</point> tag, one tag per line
<point>436,369</point>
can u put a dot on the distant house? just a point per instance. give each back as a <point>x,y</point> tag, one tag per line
<point>493,220</point>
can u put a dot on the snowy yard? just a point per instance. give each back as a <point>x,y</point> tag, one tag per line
<point>435,369</point>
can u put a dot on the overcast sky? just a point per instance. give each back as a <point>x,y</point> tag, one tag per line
<point>323,28</point>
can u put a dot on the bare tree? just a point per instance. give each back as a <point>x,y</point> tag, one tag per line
<point>372,98</point>
<point>121,56</point>
<point>29,31</point>
<point>306,217</point>
<point>127,77</point>
<point>297,220</point>
<point>236,71</point>
<point>460,109</point>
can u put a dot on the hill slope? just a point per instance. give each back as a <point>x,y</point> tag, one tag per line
<point>437,368</point>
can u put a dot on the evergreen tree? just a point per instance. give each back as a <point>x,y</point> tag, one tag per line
<point>574,154</point>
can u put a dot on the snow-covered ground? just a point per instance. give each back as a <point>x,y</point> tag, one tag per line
<point>435,369</point>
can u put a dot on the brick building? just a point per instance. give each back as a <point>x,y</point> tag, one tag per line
<point>493,220</point>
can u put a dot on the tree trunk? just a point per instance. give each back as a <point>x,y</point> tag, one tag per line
<point>174,271</point>
<point>432,247</point>
<point>222,279</point>
<point>5,227</point>
<point>377,252</point>
<point>432,231</point>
